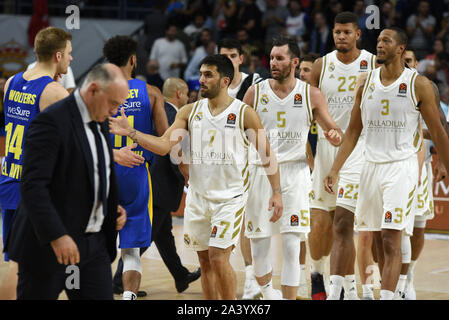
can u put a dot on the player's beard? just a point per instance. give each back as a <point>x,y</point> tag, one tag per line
<point>283,74</point>
<point>343,50</point>
<point>211,92</point>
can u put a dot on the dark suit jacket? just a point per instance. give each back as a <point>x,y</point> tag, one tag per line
<point>166,179</point>
<point>57,192</point>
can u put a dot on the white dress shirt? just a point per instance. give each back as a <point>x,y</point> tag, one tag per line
<point>96,216</point>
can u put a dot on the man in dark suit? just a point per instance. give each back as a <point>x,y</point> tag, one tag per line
<point>168,187</point>
<point>64,233</point>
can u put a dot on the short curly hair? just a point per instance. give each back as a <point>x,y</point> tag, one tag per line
<point>119,49</point>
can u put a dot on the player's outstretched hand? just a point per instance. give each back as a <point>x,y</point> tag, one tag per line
<point>333,137</point>
<point>276,203</point>
<point>330,182</point>
<point>127,158</point>
<point>119,125</point>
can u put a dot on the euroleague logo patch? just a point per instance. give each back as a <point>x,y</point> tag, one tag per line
<point>402,88</point>
<point>231,118</point>
<point>340,193</point>
<point>214,232</point>
<point>294,221</point>
<point>388,217</point>
<point>298,99</point>
<point>363,65</point>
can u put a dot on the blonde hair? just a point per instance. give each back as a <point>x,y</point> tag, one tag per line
<point>50,40</point>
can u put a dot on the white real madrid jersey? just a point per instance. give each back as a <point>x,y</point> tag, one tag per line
<point>286,121</point>
<point>218,151</point>
<point>337,83</point>
<point>390,117</point>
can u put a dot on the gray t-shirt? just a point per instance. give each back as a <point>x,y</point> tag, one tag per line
<point>419,41</point>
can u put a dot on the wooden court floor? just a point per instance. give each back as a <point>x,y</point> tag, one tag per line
<point>431,271</point>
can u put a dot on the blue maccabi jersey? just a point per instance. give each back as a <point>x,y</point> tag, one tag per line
<point>135,193</point>
<point>138,111</point>
<point>21,106</point>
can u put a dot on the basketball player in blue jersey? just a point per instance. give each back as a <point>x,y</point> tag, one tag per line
<point>26,94</point>
<point>135,192</point>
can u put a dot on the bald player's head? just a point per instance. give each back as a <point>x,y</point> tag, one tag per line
<point>176,91</point>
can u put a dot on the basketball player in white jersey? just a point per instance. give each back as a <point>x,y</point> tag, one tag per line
<point>218,172</point>
<point>412,246</point>
<point>305,71</point>
<point>333,216</point>
<point>388,107</point>
<point>287,107</point>
<point>232,48</point>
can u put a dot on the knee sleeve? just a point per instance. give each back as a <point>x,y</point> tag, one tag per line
<point>260,251</point>
<point>291,245</point>
<point>406,249</point>
<point>131,260</point>
<point>420,223</point>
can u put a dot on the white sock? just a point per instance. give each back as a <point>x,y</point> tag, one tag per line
<point>302,274</point>
<point>129,295</point>
<point>335,285</point>
<point>317,266</point>
<point>249,272</point>
<point>400,287</point>
<point>367,290</point>
<point>386,295</point>
<point>349,284</point>
<point>411,270</point>
<point>268,291</point>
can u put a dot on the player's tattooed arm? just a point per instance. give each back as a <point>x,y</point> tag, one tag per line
<point>429,111</point>
<point>443,120</point>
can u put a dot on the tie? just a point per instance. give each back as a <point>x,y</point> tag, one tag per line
<point>101,165</point>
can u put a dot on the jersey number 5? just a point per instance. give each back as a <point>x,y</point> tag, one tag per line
<point>281,119</point>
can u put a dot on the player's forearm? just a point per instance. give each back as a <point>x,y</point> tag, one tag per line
<point>309,155</point>
<point>272,169</point>
<point>152,143</point>
<point>421,157</point>
<point>345,150</point>
<point>274,177</point>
